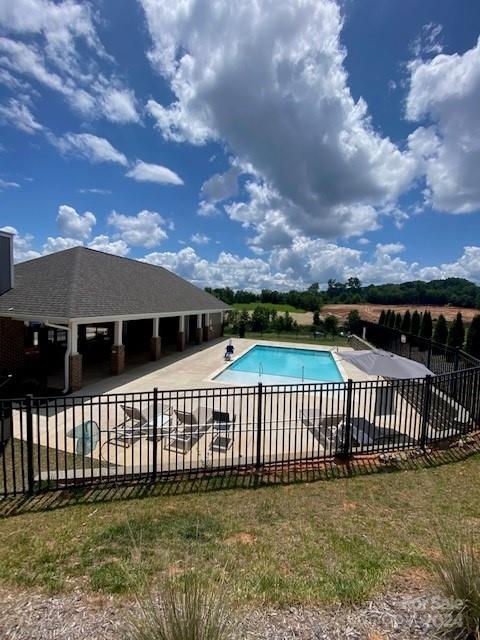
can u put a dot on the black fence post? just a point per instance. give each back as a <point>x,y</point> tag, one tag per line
<point>155,433</point>
<point>427,396</point>
<point>29,424</point>
<point>347,436</point>
<point>258,462</point>
<point>456,358</point>
<point>429,356</point>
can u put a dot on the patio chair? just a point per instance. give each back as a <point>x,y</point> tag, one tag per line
<point>201,415</point>
<point>223,439</point>
<point>194,425</point>
<point>326,429</point>
<point>138,425</point>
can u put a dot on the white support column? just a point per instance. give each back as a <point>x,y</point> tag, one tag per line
<point>72,338</point>
<point>181,334</point>
<point>118,333</point>
<point>199,331</point>
<point>117,357</point>
<point>156,327</point>
<point>155,341</point>
<point>73,360</point>
<point>206,328</point>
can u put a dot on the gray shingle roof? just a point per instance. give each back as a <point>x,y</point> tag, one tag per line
<point>81,282</point>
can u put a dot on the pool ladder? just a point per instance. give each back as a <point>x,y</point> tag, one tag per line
<point>260,371</point>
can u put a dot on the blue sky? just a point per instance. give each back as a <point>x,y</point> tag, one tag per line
<point>247,144</point>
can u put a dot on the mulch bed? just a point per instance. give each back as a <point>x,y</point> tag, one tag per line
<point>397,615</point>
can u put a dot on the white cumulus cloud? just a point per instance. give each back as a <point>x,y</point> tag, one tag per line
<point>73,224</point>
<point>90,147</point>
<point>147,172</point>
<point>445,93</point>
<point>267,79</point>
<point>144,229</point>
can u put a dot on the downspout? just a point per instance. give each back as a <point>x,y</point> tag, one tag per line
<point>66,363</point>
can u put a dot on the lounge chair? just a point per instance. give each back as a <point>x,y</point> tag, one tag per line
<point>327,430</point>
<point>195,426</point>
<point>139,424</point>
<point>223,439</point>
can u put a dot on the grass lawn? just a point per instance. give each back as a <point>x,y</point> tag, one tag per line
<point>280,308</point>
<point>305,338</point>
<point>325,541</point>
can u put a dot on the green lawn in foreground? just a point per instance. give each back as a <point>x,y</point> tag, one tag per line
<point>327,541</point>
<point>305,338</point>
<point>280,308</point>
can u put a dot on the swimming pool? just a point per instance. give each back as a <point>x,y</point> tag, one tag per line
<point>281,365</point>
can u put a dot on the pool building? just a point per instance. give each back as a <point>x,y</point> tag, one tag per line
<point>79,315</point>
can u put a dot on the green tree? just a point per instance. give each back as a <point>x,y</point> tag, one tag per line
<point>243,322</point>
<point>473,337</point>
<point>440,333</point>
<point>406,322</point>
<point>260,319</point>
<point>398,320</point>
<point>381,319</point>
<point>456,333</point>
<point>331,325</point>
<point>316,318</point>
<point>354,321</point>
<point>391,319</point>
<point>426,326</point>
<point>288,321</point>
<point>416,320</point>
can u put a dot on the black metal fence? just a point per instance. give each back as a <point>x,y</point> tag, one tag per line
<point>55,443</point>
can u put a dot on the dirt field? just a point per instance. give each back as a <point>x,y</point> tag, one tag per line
<point>372,311</point>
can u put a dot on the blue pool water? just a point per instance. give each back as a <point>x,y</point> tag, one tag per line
<point>281,365</point>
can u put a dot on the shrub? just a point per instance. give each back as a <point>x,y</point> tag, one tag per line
<point>456,333</point>
<point>406,322</point>
<point>440,333</point>
<point>188,610</point>
<point>458,572</point>
<point>331,325</point>
<point>473,337</point>
<point>415,326</point>
<point>354,321</point>
<point>381,319</point>
<point>426,326</point>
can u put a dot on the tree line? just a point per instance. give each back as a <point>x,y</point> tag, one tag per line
<point>454,291</point>
<point>452,334</point>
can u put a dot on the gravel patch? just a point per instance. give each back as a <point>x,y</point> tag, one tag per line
<point>400,616</point>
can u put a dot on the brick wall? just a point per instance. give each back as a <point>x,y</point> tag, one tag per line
<point>12,356</point>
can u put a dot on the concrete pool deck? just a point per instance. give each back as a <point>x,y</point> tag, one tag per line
<point>196,370</point>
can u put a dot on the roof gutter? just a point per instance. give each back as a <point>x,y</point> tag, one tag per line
<point>68,351</point>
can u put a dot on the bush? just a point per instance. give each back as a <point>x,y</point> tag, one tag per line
<point>440,333</point>
<point>354,321</point>
<point>426,326</point>
<point>458,573</point>
<point>415,325</point>
<point>473,337</point>
<point>188,610</point>
<point>406,322</point>
<point>331,325</point>
<point>456,333</point>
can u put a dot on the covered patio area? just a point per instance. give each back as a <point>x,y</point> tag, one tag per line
<point>79,315</point>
